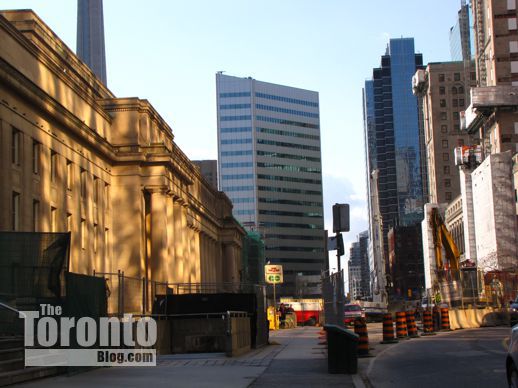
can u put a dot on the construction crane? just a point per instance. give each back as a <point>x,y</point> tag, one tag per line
<point>443,241</point>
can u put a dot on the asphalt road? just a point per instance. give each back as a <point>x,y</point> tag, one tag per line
<point>462,358</point>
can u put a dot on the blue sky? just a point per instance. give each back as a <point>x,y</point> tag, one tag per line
<point>168,52</point>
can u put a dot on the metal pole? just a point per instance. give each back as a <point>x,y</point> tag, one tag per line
<point>340,285</point>
<point>274,308</point>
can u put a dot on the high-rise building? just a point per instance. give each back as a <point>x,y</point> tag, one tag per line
<point>269,164</point>
<point>394,140</point>
<point>444,90</point>
<point>492,114</point>
<point>209,170</point>
<point>359,274</point>
<point>90,36</point>
<point>460,36</point>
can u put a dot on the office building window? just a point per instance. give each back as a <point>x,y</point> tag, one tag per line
<point>454,90</point>
<point>441,77</point>
<point>442,90</point>
<point>106,203</point>
<point>461,102</point>
<point>53,219</point>
<point>70,175</point>
<point>36,157</point>
<point>444,128</point>
<point>16,147</point>
<point>15,217</point>
<point>445,157</point>
<point>83,233</point>
<point>448,196</point>
<point>96,190</point>
<point>445,144</point>
<point>53,166</point>
<point>95,237</point>
<point>461,89</point>
<point>447,183</point>
<point>444,116</point>
<point>83,183</point>
<point>454,103</point>
<point>35,215</point>
<point>456,76</point>
<point>456,116</point>
<point>69,222</point>
<point>442,103</point>
<point>446,170</point>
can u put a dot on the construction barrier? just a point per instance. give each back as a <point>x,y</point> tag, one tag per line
<point>411,325</point>
<point>388,330</point>
<point>401,330</point>
<point>445,319</point>
<point>360,328</point>
<point>427,323</point>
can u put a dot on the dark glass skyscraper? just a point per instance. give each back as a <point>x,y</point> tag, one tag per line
<point>90,36</point>
<point>392,134</point>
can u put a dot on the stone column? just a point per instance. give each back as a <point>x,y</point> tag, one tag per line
<point>466,189</point>
<point>159,248</point>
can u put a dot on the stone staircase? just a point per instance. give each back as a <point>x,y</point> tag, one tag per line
<point>12,369</point>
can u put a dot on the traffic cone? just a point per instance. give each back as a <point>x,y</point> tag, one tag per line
<point>410,324</point>
<point>401,331</point>
<point>388,330</point>
<point>360,328</point>
<point>445,319</point>
<point>427,323</point>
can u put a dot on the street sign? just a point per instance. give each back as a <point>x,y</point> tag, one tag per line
<point>273,273</point>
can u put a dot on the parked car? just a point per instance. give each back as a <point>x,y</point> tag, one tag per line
<point>511,364</point>
<point>353,311</point>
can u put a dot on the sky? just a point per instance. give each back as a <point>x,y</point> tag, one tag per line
<point>168,51</point>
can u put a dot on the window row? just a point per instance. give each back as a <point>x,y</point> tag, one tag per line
<point>456,77</point>
<point>54,167</point>
<point>289,202</point>
<point>234,94</point>
<point>54,227</point>
<point>285,110</point>
<point>454,103</point>
<point>236,153</point>
<point>243,200</point>
<point>454,90</point>
<point>287,133</point>
<point>286,190</point>
<point>236,164</point>
<point>236,130</point>
<point>236,118</point>
<point>285,167</point>
<point>237,176</point>
<point>286,99</point>
<point>288,145</point>
<point>237,188</point>
<point>293,249</point>
<point>237,141</point>
<point>290,225</point>
<point>286,122</point>
<point>289,179</point>
<point>235,106</point>
<point>287,156</point>
<point>290,214</point>
<point>293,237</point>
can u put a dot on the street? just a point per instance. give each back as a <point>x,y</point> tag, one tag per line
<point>462,358</point>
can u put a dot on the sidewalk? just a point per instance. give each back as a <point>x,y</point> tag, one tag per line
<point>294,359</point>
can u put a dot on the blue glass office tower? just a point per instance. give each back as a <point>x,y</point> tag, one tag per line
<point>393,138</point>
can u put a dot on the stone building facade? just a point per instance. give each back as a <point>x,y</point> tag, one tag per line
<point>76,158</point>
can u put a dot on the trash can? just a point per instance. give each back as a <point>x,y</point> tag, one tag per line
<point>342,350</point>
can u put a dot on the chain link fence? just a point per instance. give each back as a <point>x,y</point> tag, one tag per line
<point>333,295</point>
